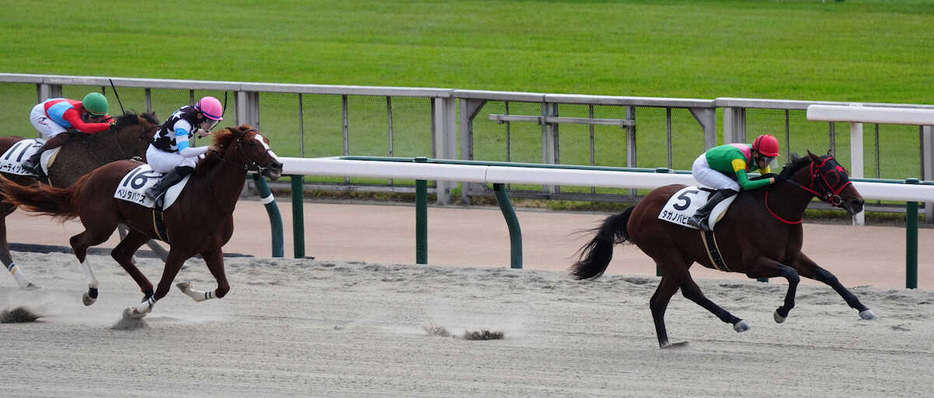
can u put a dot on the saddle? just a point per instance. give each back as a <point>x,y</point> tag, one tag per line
<point>684,203</point>
<point>11,162</point>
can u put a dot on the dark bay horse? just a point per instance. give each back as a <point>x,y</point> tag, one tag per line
<point>199,222</point>
<point>127,138</point>
<point>760,236</point>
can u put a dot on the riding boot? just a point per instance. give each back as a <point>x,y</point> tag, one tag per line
<point>699,220</point>
<point>174,176</point>
<point>32,164</point>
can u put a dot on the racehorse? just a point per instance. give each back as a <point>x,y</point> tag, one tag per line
<point>199,222</point>
<point>760,235</point>
<point>127,138</point>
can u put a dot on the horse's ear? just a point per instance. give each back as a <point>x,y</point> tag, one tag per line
<point>813,157</point>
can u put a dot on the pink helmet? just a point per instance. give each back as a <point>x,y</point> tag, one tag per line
<point>767,145</point>
<point>211,108</point>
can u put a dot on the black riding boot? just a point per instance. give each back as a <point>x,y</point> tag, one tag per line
<point>699,219</point>
<point>168,180</point>
<point>32,164</point>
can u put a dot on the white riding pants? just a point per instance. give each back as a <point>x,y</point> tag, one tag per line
<point>46,127</point>
<point>710,178</point>
<point>165,162</point>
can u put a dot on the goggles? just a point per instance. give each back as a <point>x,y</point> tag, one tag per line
<point>209,124</point>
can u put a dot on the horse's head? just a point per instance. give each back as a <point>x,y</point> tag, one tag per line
<point>826,179</point>
<point>135,131</point>
<point>246,146</point>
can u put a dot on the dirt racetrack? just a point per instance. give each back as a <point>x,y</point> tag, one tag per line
<point>329,327</point>
<point>319,328</point>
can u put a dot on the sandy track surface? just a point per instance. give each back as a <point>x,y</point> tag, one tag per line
<point>478,237</point>
<point>318,328</point>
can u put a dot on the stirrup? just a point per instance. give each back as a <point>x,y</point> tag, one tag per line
<point>702,223</point>
<point>153,195</point>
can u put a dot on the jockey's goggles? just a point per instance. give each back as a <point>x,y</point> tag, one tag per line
<point>209,124</point>
<point>767,159</point>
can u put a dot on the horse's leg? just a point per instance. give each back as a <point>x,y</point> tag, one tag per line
<point>809,269</point>
<point>123,253</point>
<point>768,268</point>
<point>6,257</point>
<point>659,303</point>
<point>692,292</point>
<point>172,264</point>
<point>80,244</point>
<point>97,230</point>
<point>215,262</point>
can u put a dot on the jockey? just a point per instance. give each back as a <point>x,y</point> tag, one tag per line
<point>724,168</point>
<point>55,116</point>
<point>170,151</point>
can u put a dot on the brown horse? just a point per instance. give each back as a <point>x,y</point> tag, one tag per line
<point>760,236</point>
<point>199,222</point>
<point>127,138</point>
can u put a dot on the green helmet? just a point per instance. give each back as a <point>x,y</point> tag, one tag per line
<point>96,103</point>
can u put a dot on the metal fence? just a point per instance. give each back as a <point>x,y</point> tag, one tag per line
<point>306,120</point>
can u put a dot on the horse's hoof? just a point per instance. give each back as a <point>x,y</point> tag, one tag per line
<point>133,313</point>
<point>87,299</point>
<point>31,286</point>
<point>778,317</point>
<point>184,286</point>
<point>740,326</point>
<point>867,315</point>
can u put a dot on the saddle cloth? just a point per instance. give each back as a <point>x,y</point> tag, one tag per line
<point>12,160</point>
<point>684,203</point>
<point>137,181</point>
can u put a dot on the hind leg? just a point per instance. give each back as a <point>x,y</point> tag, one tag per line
<point>809,269</point>
<point>215,262</point>
<point>659,303</point>
<point>6,257</point>
<point>123,253</point>
<point>766,268</point>
<point>97,230</point>
<point>692,292</point>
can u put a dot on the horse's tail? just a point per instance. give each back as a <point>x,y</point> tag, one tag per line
<point>595,256</point>
<point>42,199</point>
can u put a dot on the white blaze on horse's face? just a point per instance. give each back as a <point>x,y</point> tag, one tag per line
<point>262,141</point>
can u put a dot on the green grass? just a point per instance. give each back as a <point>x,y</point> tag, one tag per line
<point>866,51</point>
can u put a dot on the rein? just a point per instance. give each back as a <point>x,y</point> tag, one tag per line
<point>253,165</point>
<point>831,195</point>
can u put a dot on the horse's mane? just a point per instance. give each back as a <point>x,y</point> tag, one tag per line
<point>794,164</point>
<point>132,119</point>
<point>222,139</point>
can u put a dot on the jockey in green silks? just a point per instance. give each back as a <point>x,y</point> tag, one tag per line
<point>724,168</point>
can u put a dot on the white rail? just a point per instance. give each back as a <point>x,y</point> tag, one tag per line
<point>546,176</point>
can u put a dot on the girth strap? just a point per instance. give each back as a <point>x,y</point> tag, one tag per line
<point>158,224</point>
<point>713,251</point>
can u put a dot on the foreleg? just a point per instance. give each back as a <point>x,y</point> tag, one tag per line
<point>215,262</point>
<point>809,269</point>
<point>123,253</point>
<point>768,268</point>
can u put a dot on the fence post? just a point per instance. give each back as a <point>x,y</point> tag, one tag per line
<point>911,241</point>
<point>421,218</point>
<point>275,219</point>
<point>515,232</point>
<point>298,215</point>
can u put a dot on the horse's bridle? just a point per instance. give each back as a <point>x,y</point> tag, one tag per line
<point>819,187</point>
<point>252,164</point>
